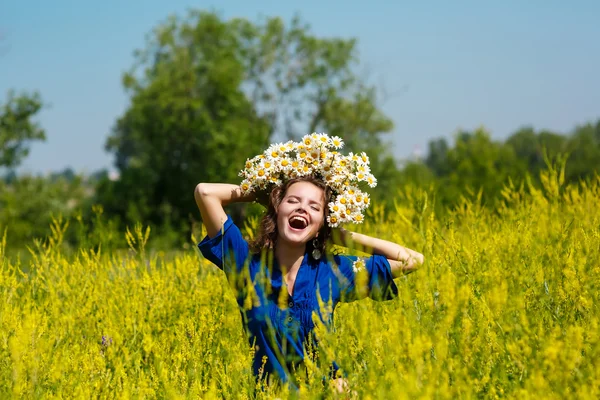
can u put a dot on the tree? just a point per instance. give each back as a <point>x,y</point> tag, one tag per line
<point>584,152</point>
<point>28,204</point>
<point>17,128</point>
<point>206,94</point>
<point>437,157</point>
<point>477,163</point>
<point>525,143</point>
<point>530,148</point>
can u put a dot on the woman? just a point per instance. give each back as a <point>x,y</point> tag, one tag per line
<point>283,277</point>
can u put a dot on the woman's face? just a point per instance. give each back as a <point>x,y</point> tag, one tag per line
<point>301,213</point>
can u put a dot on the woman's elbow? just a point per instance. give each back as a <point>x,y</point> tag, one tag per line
<point>201,192</point>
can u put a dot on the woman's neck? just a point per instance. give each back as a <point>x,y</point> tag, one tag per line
<point>289,257</point>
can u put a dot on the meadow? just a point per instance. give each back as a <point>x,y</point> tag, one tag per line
<point>505,306</point>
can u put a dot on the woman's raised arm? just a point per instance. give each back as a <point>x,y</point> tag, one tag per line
<point>211,198</point>
<point>402,260</point>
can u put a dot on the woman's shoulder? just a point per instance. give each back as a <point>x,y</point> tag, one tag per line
<point>228,240</point>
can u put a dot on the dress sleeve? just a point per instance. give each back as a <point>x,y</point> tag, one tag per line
<point>228,250</point>
<point>361,277</point>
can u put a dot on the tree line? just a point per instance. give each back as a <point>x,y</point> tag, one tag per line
<point>207,93</point>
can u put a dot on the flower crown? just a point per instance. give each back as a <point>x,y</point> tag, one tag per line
<point>313,155</point>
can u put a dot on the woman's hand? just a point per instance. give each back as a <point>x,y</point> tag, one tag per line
<point>340,385</point>
<point>261,197</point>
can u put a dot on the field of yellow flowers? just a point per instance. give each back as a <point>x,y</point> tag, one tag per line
<point>506,306</point>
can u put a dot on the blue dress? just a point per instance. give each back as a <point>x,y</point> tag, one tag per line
<point>280,326</point>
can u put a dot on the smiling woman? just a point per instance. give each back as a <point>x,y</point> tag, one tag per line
<point>285,276</point>
<point>297,212</point>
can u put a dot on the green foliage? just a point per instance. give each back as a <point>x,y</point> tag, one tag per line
<point>207,93</point>
<point>28,204</point>
<point>584,152</point>
<point>17,128</point>
<point>529,147</point>
<point>478,167</point>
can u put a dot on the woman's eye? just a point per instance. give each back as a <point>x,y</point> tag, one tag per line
<point>316,208</point>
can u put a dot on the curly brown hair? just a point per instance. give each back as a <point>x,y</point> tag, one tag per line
<point>268,233</point>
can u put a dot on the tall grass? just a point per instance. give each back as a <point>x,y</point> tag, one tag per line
<point>506,306</point>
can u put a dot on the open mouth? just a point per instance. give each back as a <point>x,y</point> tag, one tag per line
<point>298,223</point>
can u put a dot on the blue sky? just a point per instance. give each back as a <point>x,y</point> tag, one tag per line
<point>448,64</point>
